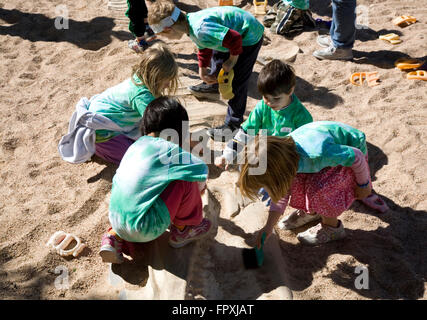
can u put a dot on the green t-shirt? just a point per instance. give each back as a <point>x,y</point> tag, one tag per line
<point>124,104</point>
<point>324,144</point>
<point>208,27</point>
<point>136,211</point>
<point>277,123</point>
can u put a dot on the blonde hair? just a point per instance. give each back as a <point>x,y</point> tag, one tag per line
<point>157,65</point>
<point>159,10</point>
<point>282,165</point>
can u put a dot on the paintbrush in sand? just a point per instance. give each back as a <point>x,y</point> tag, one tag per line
<point>254,258</point>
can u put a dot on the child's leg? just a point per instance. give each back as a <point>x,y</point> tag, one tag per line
<point>330,221</point>
<point>184,203</point>
<point>111,248</point>
<point>136,12</point>
<point>114,149</point>
<point>242,72</point>
<point>328,193</point>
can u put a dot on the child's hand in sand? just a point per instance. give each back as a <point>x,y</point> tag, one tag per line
<point>220,162</point>
<point>362,192</point>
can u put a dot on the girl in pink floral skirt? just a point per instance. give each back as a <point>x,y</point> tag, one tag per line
<point>319,169</point>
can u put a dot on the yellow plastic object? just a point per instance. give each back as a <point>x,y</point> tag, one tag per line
<point>225,2</point>
<point>370,77</point>
<point>225,80</point>
<point>408,63</point>
<point>417,75</point>
<point>260,7</point>
<point>391,37</point>
<point>404,21</point>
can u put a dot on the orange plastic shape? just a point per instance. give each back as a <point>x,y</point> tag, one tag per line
<point>408,63</point>
<point>417,75</point>
<point>404,21</point>
<point>391,37</point>
<point>260,7</point>
<point>225,2</point>
<point>371,78</point>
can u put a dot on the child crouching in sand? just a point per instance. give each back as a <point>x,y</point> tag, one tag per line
<point>157,185</point>
<point>279,112</point>
<point>320,169</point>
<point>108,123</point>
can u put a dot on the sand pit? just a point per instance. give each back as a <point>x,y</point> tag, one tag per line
<point>45,71</point>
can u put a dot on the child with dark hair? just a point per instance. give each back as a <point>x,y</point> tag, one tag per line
<point>279,113</point>
<point>158,185</point>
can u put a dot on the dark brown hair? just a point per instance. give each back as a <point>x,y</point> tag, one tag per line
<point>276,78</point>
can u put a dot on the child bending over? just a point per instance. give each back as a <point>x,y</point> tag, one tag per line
<point>279,113</point>
<point>320,169</point>
<point>109,123</point>
<point>226,37</point>
<point>157,185</point>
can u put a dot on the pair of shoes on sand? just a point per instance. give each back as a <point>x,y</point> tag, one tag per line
<point>322,233</point>
<point>112,249</point>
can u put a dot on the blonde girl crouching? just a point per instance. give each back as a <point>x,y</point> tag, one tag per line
<point>117,112</point>
<point>319,169</point>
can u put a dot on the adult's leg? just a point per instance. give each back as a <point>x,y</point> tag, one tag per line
<point>343,27</point>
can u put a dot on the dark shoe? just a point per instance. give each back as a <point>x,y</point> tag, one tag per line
<point>149,34</point>
<point>204,90</point>
<point>222,133</point>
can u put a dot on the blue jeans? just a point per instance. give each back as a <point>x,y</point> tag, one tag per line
<point>343,28</point>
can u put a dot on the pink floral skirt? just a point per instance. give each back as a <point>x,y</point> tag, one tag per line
<point>328,192</point>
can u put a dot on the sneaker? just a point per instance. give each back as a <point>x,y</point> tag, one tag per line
<point>204,90</point>
<point>322,233</point>
<point>297,219</point>
<point>137,46</point>
<point>332,53</point>
<point>149,34</point>
<point>222,133</point>
<point>179,238</point>
<point>111,249</point>
<point>324,41</point>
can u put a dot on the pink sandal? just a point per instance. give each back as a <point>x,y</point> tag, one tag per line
<point>375,202</point>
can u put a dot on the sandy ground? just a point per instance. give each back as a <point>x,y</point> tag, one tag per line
<point>45,71</point>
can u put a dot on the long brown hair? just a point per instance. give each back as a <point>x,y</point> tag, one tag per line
<point>157,65</point>
<point>282,165</point>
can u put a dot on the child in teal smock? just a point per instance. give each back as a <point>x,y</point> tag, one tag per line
<point>320,169</point>
<point>157,185</point>
<point>227,37</point>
